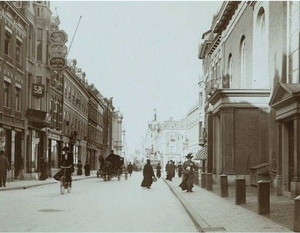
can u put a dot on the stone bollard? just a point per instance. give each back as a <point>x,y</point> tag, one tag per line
<point>297,214</point>
<point>203,180</point>
<point>196,177</point>
<point>224,185</point>
<point>240,191</point>
<point>263,197</point>
<point>209,182</point>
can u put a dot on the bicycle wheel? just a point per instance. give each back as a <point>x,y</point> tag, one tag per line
<point>62,184</point>
<point>69,187</point>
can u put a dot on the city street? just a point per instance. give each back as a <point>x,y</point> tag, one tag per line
<point>95,205</point>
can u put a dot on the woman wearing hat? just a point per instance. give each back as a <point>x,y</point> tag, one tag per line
<point>188,168</point>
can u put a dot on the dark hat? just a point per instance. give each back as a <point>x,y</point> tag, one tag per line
<point>65,148</point>
<point>189,155</point>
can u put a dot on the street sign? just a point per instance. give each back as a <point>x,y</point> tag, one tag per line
<point>57,50</point>
<point>57,63</point>
<point>58,37</point>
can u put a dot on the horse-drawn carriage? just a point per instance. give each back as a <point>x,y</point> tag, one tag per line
<point>111,166</point>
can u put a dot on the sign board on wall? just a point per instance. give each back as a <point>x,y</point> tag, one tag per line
<point>38,90</point>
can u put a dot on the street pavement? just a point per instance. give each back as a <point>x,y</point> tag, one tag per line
<point>208,211</point>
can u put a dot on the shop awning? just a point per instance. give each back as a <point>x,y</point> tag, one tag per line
<point>201,154</point>
<point>38,118</point>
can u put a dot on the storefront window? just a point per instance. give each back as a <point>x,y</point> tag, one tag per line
<point>54,154</point>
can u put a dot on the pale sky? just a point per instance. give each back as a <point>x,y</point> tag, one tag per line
<point>143,54</point>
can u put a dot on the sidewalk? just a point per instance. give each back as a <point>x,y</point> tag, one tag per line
<point>211,213</point>
<point>24,184</point>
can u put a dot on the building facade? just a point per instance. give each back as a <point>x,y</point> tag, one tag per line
<point>251,82</point>
<point>42,108</point>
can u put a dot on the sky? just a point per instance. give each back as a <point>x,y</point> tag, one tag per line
<point>144,54</point>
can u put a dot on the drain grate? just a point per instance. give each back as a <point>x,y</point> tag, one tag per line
<point>49,210</point>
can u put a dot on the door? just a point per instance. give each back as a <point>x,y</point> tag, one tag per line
<point>290,127</point>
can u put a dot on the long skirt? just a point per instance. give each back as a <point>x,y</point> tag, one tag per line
<point>158,173</point>
<point>147,181</point>
<point>187,181</point>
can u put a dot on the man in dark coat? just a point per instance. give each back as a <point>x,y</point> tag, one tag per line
<point>4,167</point>
<point>148,173</point>
<point>179,169</point>
<point>130,168</point>
<point>170,169</point>
<point>86,168</point>
<point>43,169</point>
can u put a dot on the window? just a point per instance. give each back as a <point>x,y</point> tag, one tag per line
<point>39,45</point>
<point>7,94</point>
<point>243,62</point>
<point>38,79</point>
<point>19,52</point>
<point>8,44</point>
<point>230,70</point>
<point>18,99</point>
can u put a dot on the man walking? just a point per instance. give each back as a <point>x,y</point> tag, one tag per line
<point>4,167</point>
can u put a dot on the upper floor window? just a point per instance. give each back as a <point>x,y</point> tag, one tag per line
<point>18,99</point>
<point>39,45</point>
<point>8,44</point>
<point>19,52</point>
<point>7,94</point>
<point>243,62</point>
<point>230,67</point>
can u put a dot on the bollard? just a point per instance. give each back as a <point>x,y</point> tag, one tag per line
<point>196,177</point>
<point>203,180</point>
<point>240,191</point>
<point>297,214</point>
<point>224,185</point>
<point>209,182</point>
<point>263,197</point>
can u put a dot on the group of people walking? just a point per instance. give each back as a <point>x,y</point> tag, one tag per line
<point>186,170</point>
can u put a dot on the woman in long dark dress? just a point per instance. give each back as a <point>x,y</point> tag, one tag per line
<point>158,170</point>
<point>79,168</point>
<point>188,168</point>
<point>148,173</point>
<point>86,168</point>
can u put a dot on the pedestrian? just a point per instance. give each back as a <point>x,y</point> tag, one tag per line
<point>158,170</point>
<point>148,173</point>
<point>66,161</point>
<point>130,168</point>
<point>4,167</point>
<point>87,168</point>
<point>179,169</point>
<point>79,168</point>
<point>170,170</point>
<point>188,174</point>
<point>173,169</point>
<point>43,169</point>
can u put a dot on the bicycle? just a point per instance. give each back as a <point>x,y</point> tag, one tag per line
<point>63,182</point>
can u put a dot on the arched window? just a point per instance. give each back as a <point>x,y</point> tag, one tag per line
<point>230,64</point>
<point>243,62</point>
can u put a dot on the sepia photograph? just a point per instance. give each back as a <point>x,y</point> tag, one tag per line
<point>149,116</point>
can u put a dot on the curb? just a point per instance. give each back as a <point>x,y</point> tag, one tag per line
<point>187,209</point>
<point>41,184</point>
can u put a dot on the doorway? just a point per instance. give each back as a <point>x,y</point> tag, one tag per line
<point>290,128</point>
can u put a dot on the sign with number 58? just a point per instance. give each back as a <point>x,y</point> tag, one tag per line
<point>38,90</point>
